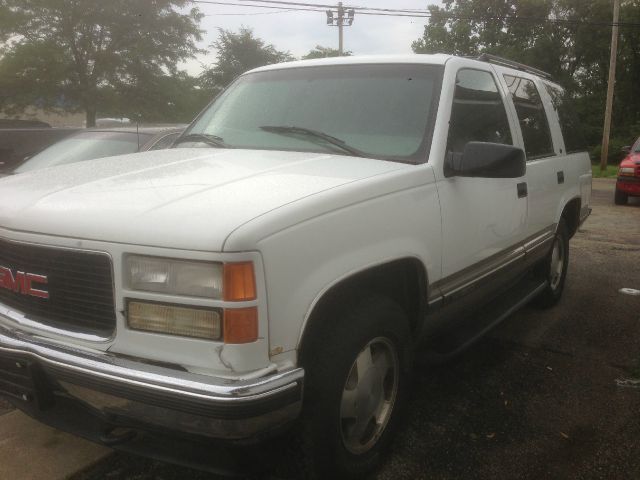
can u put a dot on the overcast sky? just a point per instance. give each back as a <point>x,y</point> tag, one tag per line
<point>299,32</point>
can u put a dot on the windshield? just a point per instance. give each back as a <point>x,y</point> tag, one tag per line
<point>636,146</point>
<point>379,111</point>
<point>84,146</point>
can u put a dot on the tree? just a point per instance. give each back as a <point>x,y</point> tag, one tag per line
<point>324,52</point>
<point>74,54</point>
<point>174,98</point>
<point>237,53</point>
<point>567,38</point>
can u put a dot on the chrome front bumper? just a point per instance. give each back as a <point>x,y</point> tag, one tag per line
<point>36,375</point>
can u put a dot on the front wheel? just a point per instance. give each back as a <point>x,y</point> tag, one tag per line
<point>554,268</point>
<point>356,374</point>
<point>620,198</point>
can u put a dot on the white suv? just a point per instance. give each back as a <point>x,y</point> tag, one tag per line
<point>312,229</point>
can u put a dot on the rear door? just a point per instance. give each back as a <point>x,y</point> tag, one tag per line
<point>541,142</point>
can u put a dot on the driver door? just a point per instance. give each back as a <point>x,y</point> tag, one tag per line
<point>483,219</point>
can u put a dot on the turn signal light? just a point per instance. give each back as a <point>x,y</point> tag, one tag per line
<point>240,325</point>
<point>239,282</point>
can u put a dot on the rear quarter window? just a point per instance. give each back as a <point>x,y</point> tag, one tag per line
<point>572,132</point>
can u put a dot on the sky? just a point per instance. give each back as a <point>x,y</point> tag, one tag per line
<point>299,32</point>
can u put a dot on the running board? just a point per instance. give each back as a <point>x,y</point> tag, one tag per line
<point>446,345</point>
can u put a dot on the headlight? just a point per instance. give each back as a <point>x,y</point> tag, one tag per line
<point>626,171</point>
<point>176,277</point>
<point>174,320</point>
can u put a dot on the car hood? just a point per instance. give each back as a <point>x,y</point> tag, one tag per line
<point>189,198</point>
<point>631,160</point>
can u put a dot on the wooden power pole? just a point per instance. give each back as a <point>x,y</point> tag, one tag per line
<point>340,27</point>
<point>610,86</point>
<point>343,18</point>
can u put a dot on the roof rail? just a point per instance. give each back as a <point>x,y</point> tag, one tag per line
<point>487,57</point>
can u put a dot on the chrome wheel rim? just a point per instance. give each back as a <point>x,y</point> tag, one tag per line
<point>557,264</point>
<point>369,395</point>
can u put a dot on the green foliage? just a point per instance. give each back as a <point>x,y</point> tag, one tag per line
<point>610,172</point>
<point>325,52</point>
<point>615,153</point>
<point>158,99</point>
<point>237,53</point>
<point>576,52</point>
<point>79,54</point>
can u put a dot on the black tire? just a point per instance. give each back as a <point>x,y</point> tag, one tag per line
<point>328,359</point>
<point>620,198</point>
<point>548,268</point>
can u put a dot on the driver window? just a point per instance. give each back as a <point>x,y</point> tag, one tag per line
<point>478,113</point>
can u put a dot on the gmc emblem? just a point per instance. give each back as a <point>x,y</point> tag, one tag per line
<point>23,282</point>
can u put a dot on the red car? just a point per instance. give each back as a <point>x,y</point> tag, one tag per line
<point>628,183</point>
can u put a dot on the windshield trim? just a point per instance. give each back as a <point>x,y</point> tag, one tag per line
<point>419,157</point>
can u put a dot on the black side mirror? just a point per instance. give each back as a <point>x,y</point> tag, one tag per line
<point>488,160</point>
<point>626,149</point>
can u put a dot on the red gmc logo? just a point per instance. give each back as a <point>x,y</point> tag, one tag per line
<point>23,282</point>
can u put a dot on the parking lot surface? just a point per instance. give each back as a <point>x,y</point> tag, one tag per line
<point>545,395</point>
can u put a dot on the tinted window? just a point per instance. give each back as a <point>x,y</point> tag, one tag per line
<point>532,117</point>
<point>572,131</point>
<point>478,113</point>
<point>84,146</point>
<point>385,111</point>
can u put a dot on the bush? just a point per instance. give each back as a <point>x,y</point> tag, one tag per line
<point>615,154</point>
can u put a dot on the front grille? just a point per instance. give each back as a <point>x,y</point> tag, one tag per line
<point>79,283</point>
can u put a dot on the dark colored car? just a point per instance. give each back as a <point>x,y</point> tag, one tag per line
<point>98,143</point>
<point>22,139</point>
<point>628,184</point>
<point>17,123</point>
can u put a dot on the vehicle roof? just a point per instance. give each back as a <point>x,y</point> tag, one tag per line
<point>435,59</point>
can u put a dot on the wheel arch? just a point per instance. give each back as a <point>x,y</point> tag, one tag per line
<point>571,214</point>
<point>404,280</point>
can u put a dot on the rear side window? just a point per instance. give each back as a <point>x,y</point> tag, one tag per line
<point>570,126</point>
<point>532,117</point>
<point>478,113</point>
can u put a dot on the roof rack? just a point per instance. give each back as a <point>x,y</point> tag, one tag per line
<point>487,57</point>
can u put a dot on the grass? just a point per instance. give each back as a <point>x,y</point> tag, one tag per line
<point>610,172</point>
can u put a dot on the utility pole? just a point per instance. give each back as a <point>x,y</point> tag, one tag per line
<point>610,86</point>
<point>340,27</point>
<point>340,20</point>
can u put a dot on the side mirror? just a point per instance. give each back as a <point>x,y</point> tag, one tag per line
<point>626,149</point>
<point>488,160</point>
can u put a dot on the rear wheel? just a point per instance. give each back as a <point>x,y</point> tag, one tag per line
<point>620,198</point>
<point>356,371</point>
<point>554,268</point>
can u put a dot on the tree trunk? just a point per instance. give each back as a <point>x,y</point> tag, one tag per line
<point>91,116</point>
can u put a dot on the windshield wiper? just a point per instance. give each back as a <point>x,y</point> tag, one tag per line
<point>284,129</point>
<point>212,140</point>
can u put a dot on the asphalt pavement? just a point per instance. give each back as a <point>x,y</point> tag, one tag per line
<point>546,395</point>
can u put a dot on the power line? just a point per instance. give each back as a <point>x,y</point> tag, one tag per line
<point>308,7</point>
<point>282,2</point>
<point>211,2</point>
<point>252,13</point>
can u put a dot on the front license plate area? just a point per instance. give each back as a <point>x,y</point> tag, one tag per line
<point>23,381</point>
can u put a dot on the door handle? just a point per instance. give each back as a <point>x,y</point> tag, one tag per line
<point>560,177</point>
<point>522,190</point>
